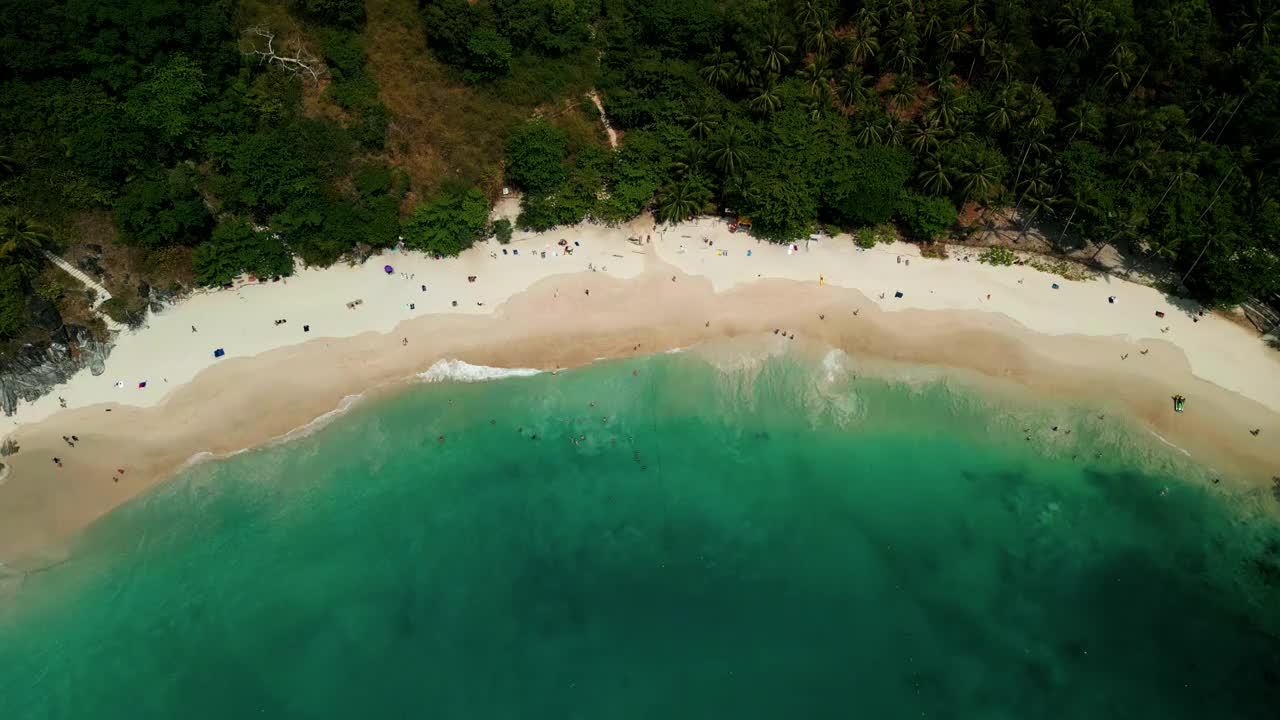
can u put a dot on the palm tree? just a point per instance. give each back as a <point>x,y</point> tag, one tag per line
<point>1079,22</point>
<point>935,177</point>
<point>1126,229</point>
<point>902,92</point>
<point>817,78</point>
<point>1035,108</point>
<point>727,150</point>
<point>681,200</point>
<point>765,97</point>
<point>776,51</point>
<point>925,138</point>
<point>1036,204</point>
<point>702,120</point>
<point>955,40</point>
<point>1085,118</point>
<point>1000,117</point>
<point>979,179</point>
<point>808,12</point>
<point>1002,60</point>
<point>718,68</point>
<point>863,43</point>
<point>945,108</point>
<point>689,161</point>
<point>23,242</point>
<point>983,42</point>
<point>895,131</point>
<point>853,89</point>
<point>1259,20</point>
<point>743,73</point>
<point>974,14</point>
<point>1183,174</point>
<point>820,38</point>
<point>869,128</point>
<point>1120,67</point>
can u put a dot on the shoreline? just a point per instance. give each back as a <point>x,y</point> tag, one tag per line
<point>567,319</point>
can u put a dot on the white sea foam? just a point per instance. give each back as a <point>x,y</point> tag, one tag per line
<point>833,364</point>
<point>314,425</point>
<point>449,370</point>
<point>1166,442</point>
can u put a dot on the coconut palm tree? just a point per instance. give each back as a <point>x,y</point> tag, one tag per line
<point>1119,69</point>
<point>853,88</point>
<point>1002,60</point>
<point>1000,115</point>
<point>718,68</point>
<point>935,177</point>
<point>727,150</point>
<point>979,178</point>
<point>702,120</point>
<point>765,97</point>
<point>902,92</point>
<point>820,37</point>
<point>817,78</point>
<point>1085,118</point>
<point>955,39</point>
<point>1079,22</point>
<point>1036,203</point>
<point>982,43</point>
<point>869,128</point>
<point>776,51</point>
<point>808,12</point>
<point>925,138</point>
<point>863,44</point>
<point>1259,22</point>
<point>680,200</point>
<point>945,108</point>
<point>23,241</point>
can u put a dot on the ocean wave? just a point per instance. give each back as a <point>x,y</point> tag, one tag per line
<point>834,364</point>
<point>316,424</point>
<point>449,370</point>
<point>1166,442</point>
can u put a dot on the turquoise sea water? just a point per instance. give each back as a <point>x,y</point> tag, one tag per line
<point>765,544</point>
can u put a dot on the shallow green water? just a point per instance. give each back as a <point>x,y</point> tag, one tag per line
<point>727,545</point>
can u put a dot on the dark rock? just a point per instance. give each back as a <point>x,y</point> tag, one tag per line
<point>33,371</point>
<point>144,290</point>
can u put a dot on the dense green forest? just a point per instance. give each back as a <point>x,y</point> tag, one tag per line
<point>227,137</point>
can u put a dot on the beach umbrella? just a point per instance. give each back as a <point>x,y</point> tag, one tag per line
<point>388,269</point>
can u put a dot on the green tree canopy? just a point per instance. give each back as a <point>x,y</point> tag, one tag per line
<point>236,248</point>
<point>162,210</point>
<point>536,153</point>
<point>449,222</point>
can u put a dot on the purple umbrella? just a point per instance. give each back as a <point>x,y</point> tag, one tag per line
<point>388,269</point>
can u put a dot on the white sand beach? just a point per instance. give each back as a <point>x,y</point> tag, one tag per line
<point>677,286</point>
<point>167,353</point>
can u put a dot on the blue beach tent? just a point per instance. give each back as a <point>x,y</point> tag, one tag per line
<point>219,353</point>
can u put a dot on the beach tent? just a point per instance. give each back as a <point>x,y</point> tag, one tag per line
<point>898,294</point>
<point>142,384</point>
<point>219,353</point>
<point>388,269</point>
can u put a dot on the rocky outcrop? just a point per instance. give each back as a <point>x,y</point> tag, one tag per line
<point>33,371</point>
